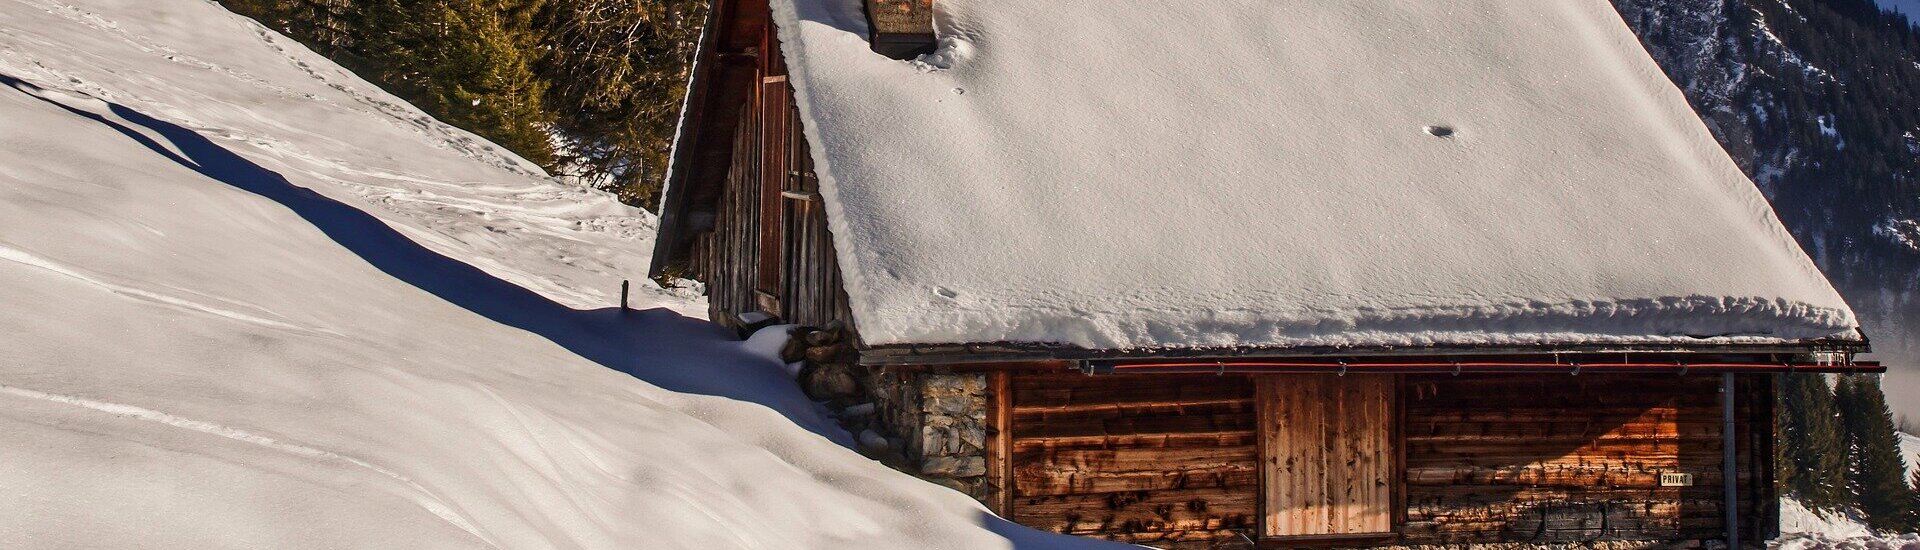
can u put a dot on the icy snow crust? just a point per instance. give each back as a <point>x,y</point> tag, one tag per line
<point>250,301</point>
<point>1145,174</point>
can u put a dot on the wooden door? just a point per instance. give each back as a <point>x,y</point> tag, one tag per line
<point>1327,454</point>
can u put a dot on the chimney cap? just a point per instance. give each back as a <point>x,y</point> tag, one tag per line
<point>902,29</point>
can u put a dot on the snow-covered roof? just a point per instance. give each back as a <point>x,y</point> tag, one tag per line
<point>1146,174</point>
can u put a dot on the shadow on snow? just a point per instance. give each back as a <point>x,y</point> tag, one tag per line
<point>658,346</point>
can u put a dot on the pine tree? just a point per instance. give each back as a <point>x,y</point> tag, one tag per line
<point>466,62</point>
<point>1913,503</point>
<point>326,26</point>
<point>481,62</point>
<point>620,69</point>
<point>328,22</point>
<point>1877,476</point>
<point>1813,442</point>
<point>604,76</point>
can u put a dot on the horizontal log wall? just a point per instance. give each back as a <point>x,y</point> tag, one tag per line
<point>1557,458</point>
<point>1134,458</point>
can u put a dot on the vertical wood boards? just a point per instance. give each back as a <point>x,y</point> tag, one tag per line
<point>1327,452</point>
<point>731,256</point>
<point>1000,443</point>
<point>813,294</point>
<point>773,100</point>
<point>770,249</point>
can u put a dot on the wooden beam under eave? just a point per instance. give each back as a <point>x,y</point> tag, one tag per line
<point>902,29</point>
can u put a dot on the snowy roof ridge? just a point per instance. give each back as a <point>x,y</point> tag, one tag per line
<point>1110,176</point>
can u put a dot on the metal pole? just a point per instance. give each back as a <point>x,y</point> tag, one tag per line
<point>1730,471</point>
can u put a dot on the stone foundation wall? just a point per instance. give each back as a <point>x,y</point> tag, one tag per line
<point>941,421</point>
<point>928,422</point>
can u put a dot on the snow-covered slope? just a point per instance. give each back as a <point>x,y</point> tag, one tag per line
<point>1151,174</point>
<point>251,301</point>
<point>1910,451</point>
<point>1804,529</point>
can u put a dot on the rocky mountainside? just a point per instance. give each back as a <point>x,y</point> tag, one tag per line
<point>1815,99</point>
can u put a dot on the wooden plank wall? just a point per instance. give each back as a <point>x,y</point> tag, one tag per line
<point>1327,446</point>
<point>730,257</point>
<point>1150,458</point>
<point>775,108</point>
<point>1557,458</point>
<point>770,249</point>
<point>813,294</point>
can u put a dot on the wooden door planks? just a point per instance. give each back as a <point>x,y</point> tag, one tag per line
<point>1329,454</point>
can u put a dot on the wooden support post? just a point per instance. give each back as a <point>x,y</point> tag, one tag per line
<point>1000,444</point>
<point>1730,469</point>
<point>623,294</point>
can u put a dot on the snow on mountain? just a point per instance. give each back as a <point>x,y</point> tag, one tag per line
<point>1771,81</point>
<point>252,301</point>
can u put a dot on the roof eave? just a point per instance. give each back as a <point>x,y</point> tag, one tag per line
<point>1002,352</point>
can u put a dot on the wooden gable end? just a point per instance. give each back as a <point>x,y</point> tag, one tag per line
<point>722,83</point>
<point>742,212</point>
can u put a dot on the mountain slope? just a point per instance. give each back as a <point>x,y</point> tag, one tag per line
<point>1908,8</point>
<point>1814,99</point>
<point>254,302</point>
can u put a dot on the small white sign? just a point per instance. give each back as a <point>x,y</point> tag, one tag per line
<point>1669,479</point>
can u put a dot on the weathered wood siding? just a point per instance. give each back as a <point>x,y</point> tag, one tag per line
<point>1328,453</point>
<point>730,256</point>
<point>1540,458</point>
<point>812,293</point>
<point>770,249</point>
<point>1557,458</point>
<point>1135,458</point>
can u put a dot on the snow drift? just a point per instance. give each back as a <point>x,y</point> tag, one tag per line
<point>1151,174</point>
<point>252,301</point>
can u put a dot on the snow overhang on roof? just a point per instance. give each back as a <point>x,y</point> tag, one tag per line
<point>1125,174</point>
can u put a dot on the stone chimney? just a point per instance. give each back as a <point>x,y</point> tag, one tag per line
<point>902,29</point>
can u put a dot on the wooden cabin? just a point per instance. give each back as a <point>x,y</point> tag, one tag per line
<point>892,176</point>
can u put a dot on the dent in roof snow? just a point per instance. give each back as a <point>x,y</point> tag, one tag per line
<point>1248,173</point>
<point>252,301</point>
